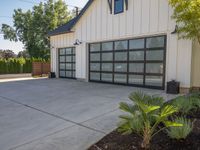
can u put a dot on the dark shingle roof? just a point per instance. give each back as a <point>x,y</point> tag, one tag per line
<point>66,28</point>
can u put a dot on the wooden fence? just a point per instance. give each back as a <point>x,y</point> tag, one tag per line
<point>40,68</point>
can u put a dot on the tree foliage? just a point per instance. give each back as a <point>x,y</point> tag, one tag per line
<point>18,65</point>
<point>23,54</point>
<point>6,54</point>
<point>187,16</point>
<point>31,27</point>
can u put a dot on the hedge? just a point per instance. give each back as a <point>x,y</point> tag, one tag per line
<point>18,65</point>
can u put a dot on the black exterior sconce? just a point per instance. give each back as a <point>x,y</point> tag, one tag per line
<point>175,30</point>
<point>77,42</point>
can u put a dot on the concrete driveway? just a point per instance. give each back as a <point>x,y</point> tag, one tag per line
<point>59,114</point>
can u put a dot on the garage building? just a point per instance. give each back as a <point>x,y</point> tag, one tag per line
<point>129,42</point>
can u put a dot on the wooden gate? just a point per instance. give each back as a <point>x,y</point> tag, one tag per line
<point>40,68</point>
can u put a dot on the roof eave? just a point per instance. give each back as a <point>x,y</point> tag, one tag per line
<point>66,32</point>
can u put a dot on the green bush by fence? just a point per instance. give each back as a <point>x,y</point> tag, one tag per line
<point>18,65</point>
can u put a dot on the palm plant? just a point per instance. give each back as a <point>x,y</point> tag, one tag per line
<point>187,103</point>
<point>183,104</point>
<point>179,133</point>
<point>144,117</point>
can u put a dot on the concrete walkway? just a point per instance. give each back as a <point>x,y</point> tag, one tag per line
<point>59,114</point>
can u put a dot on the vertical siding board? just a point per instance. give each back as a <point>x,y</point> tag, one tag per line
<point>163,15</point>
<point>93,24</point>
<point>137,16</point>
<point>145,15</point>
<point>172,57</point>
<point>109,25</point>
<point>78,54</point>
<point>171,22</point>
<point>129,19</point>
<point>115,26</point>
<point>122,23</point>
<point>154,15</point>
<point>98,16</point>
<point>104,18</point>
<point>184,62</point>
<point>88,27</point>
<point>84,30</point>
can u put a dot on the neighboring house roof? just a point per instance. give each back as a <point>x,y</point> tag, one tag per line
<point>66,28</point>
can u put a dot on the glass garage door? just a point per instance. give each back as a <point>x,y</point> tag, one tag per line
<point>67,63</point>
<point>137,62</point>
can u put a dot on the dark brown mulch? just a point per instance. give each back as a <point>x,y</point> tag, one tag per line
<point>116,141</point>
<point>194,114</point>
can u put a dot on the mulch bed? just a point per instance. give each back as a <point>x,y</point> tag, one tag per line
<point>116,141</point>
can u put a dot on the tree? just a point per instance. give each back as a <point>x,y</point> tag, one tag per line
<point>23,54</point>
<point>6,54</point>
<point>31,27</point>
<point>187,16</point>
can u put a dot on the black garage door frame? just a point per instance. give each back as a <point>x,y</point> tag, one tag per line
<point>71,62</point>
<point>128,73</point>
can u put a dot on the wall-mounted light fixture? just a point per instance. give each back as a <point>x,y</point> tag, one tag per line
<point>77,42</point>
<point>175,30</point>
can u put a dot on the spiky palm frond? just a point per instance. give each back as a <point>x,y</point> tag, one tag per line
<point>144,116</point>
<point>180,132</point>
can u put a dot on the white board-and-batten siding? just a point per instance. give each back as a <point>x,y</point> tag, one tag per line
<point>143,18</point>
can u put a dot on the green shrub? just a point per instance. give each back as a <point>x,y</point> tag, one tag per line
<point>196,99</point>
<point>187,103</point>
<point>182,132</point>
<point>18,65</point>
<point>183,104</point>
<point>144,117</point>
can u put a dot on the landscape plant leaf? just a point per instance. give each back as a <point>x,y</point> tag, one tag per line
<point>172,124</point>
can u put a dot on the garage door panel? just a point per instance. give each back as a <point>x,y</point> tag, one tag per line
<point>121,45</point>
<point>95,66</point>
<point>68,51</point>
<point>154,68</point>
<point>62,52</point>
<point>136,44</point>
<point>121,56</point>
<point>136,67</point>
<point>107,56</point>
<point>107,46</point>
<point>62,66</point>
<point>95,47</point>
<point>136,55</point>
<point>120,67</point>
<point>94,76</point>
<point>155,42</point>
<point>107,77</point>
<point>155,55</point>
<point>107,67</point>
<point>120,78</point>
<point>153,80</point>
<point>95,57</point>
<point>132,62</point>
<point>67,62</point>
<point>136,79</point>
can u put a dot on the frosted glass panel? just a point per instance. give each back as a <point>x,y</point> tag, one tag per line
<point>120,67</point>
<point>106,77</point>
<point>136,79</point>
<point>120,78</point>
<point>136,44</point>
<point>121,45</point>
<point>155,42</point>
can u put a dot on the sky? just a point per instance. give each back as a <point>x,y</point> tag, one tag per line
<point>6,11</point>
